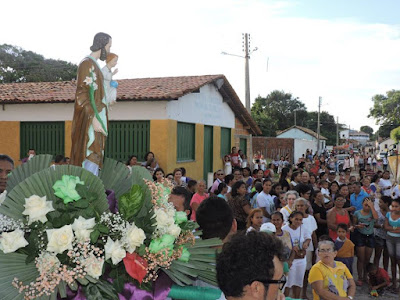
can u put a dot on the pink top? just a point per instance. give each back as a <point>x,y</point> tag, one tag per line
<point>196,199</point>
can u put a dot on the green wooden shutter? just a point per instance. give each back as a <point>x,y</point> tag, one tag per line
<point>225,141</point>
<point>128,138</point>
<point>185,142</point>
<point>44,137</point>
<point>243,145</point>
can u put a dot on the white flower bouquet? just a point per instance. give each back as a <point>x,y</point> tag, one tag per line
<point>60,236</point>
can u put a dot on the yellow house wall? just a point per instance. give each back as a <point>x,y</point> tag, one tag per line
<point>9,139</point>
<point>217,159</point>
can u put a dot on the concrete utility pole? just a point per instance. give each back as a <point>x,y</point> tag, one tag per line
<point>337,131</point>
<point>246,37</point>
<point>318,125</point>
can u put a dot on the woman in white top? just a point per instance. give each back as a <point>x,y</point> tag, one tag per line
<point>290,197</point>
<point>385,184</point>
<point>301,239</point>
<point>310,224</point>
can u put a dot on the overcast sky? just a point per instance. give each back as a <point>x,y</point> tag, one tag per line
<point>344,50</point>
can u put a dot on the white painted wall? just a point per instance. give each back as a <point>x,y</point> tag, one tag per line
<point>301,146</point>
<point>206,107</point>
<point>295,133</point>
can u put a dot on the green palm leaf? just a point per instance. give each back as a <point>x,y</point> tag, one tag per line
<point>41,184</point>
<point>116,177</point>
<point>13,266</point>
<point>36,164</point>
<point>140,173</point>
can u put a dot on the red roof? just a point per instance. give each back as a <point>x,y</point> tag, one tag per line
<point>139,89</point>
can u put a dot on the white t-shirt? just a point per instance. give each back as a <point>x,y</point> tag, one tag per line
<point>384,184</point>
<point>286,211</point>
<point>325,192</point>
<point>310,224</point>
<point>267,201</point>
<point>298,236</point>
<point>396,192</point>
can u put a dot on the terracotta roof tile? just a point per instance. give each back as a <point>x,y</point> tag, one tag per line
<point>139,89</point>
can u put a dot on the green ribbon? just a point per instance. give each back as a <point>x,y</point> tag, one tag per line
<point>194,293</point>
<point>93,103</point>
<point>185,256</point>
<point>180,217</point>
<point>165,242</point>
<point>65,188</point>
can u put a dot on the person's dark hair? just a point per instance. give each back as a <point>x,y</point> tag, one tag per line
<point>258,189</point>
<point>221,186</point>
<point>294,175</point>
<point>157,170</point>
<point>273,192</point>
<point>100,41</point>
<point>375,178</point>
<point>387,200</point>
<point>183,171</point>
<point>371,267</point>
<point>181,191</point>
<point>214,217</point>
<point>357,183</point>
<point>59,158</point>
<point>237,169</point>
<point>228,178</point>
<point>322,174</point>
<point>176,170</point>
<point>342,186</point>
<point>255,172</point>
<point>247,258</point>
<point>396,200</point>
<point>266,180</point>
<point>169,175</point>
<point>246,168</point>
<point>147,154</point>
<point>342,226</point>
<point>332,183</point>
<point>235,187</point>
<point>325,237</point>
<point>361,170</point>
<point>293,214</point>
<point>130,158</point>
<point>302,188</point>
<point>5,157</point>
<point>277,213</point>
<point>284,173</point>
<point>191,183</point>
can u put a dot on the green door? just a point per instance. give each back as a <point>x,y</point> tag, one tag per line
<point>208,151</point>
<point>243,145</point>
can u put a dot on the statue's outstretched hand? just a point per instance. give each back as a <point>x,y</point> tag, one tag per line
<point>97,126</point>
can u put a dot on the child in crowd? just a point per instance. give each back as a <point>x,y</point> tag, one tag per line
<point>227,165</point>
<point>254,220</point>
<point>344,247</point>
<point>378,279</point>
<point>325,191</point>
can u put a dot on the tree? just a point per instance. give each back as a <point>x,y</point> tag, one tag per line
<point>276,112</point>
<point>19,65</point>
<point>327,127</point>
<point>367,129</point>
<point>386,109</point>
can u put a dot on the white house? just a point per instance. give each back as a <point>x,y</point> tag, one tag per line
<point>386,145</point>
<point>358,136</point>
<point>304,139</point>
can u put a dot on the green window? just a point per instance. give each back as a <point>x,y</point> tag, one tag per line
<point>128,138</point>
<point>225,141</point>
<point>186,142</point>
<point>243,145</point>
<point>44,137</point>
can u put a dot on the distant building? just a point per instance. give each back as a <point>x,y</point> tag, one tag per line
<point>304,139</point>
<point>355,135</point>
<point>386,145</point>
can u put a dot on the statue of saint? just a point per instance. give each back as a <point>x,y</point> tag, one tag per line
<point>110,86</point>
<point>90,121</point>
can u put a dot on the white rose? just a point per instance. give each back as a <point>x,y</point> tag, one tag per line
<point>114,251</point>
<point>60,239</point>
<point>163,218</point>
<point>83,228</point>
<point>36,208</point>
<point>11,241</point>
<point>3,196</point>
<point>93,266</point>
<point>133,237</point>
<point>174,230</point>
<point>47,263</point>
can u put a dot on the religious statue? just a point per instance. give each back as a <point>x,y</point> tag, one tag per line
<point>110,86</point>
<point>90,120</point>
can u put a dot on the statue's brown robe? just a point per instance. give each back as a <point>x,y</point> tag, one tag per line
<point>83,116</point>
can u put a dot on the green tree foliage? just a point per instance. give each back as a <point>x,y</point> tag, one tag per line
<point>327,127</point>
<point>384,130</point>
<point>367,129</point>
<point>276,112</point>
<point>19,65</point>
<point>386,108</point>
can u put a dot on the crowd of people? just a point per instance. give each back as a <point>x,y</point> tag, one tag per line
<point>323,219</point>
